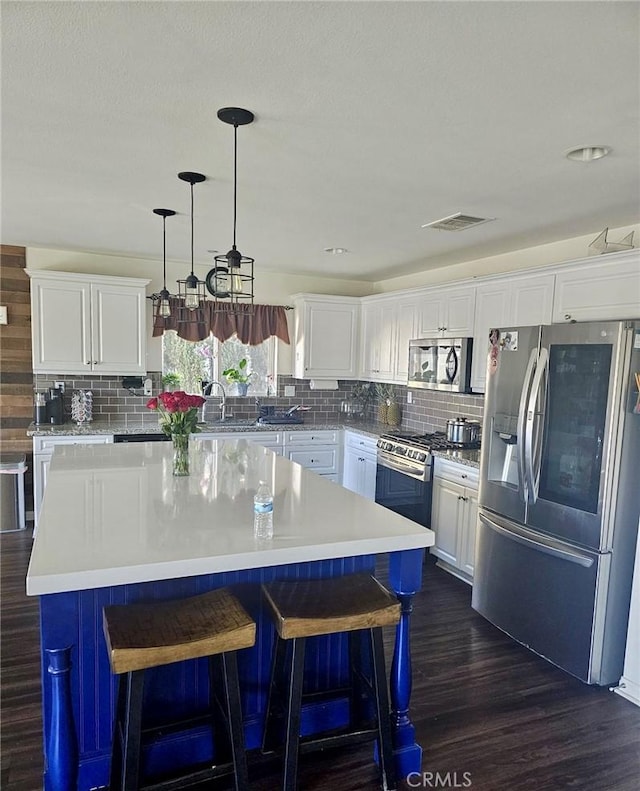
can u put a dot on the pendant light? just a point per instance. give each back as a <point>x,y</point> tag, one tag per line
<point>191,290</point>
<point>231,278</point>
<point>162,299</point>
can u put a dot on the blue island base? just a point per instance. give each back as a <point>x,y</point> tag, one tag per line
<point>79,689</point>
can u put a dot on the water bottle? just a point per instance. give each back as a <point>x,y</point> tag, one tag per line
<point>263,512</point>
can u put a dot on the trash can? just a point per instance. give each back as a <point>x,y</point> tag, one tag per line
<point>12,469</point>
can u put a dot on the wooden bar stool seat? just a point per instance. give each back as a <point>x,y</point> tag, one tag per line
<point>357,604</point>
<point>150,634</point>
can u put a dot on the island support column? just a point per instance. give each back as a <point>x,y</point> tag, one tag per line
<point>405,576</point>
<point>61,747</point>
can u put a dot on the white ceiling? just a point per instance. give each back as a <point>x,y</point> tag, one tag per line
<point>372,118</point>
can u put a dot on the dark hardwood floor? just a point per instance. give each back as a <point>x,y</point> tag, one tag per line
<point>482,705</point>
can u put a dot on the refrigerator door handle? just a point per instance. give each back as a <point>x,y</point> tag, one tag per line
<point>522,415</point>
<point>539,546</point>
<point>535,424</point>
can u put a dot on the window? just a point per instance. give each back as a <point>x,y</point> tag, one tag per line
<point>204,361</point>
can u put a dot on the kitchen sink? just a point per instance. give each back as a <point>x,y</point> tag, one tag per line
<point>230,422</point>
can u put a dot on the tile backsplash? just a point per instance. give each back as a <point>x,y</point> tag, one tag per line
<point>429,410</point>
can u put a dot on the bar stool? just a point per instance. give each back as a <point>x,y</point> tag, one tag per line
<point>146,635</point>
<point>357,604</point>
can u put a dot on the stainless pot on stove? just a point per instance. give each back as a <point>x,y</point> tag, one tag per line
<point>463,431</point>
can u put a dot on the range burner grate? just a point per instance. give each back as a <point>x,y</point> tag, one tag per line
<point>428,442</point>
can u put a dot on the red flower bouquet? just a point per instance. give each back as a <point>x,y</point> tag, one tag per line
<point>178,412</point>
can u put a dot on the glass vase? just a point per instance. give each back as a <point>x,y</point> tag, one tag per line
<point>180,454</point>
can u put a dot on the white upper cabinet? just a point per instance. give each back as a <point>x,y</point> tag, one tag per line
<point>600,289</point>
<point>326,336</point>
<point>88,323</point>
<point>378,345</point>
<point>507,302</point>
<point>447,312</point>
<point>407,327</point>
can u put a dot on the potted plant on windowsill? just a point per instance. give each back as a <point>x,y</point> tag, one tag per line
<point>239,376</point>
<point>171,382</point>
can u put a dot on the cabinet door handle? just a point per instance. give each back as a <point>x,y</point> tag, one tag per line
<point>88,362</point>
<point>463,475</point>
<point>567,316</point>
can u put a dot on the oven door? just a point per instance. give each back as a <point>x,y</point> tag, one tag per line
<point>398,490</point>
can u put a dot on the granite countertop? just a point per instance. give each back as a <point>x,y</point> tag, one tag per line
<point>371,429</point>
<point>469,458</point>
<point>115,515</point>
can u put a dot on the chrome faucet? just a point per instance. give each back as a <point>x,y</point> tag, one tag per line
<point>206,393</point>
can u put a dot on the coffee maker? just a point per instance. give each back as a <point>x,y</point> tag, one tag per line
<point>55,406</point>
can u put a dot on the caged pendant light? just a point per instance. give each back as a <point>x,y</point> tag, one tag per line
<point>191,290</point>
<point>162,300</point>
<point>231,279</point>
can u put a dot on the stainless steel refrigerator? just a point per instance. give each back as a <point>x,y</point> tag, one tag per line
<point>560,492</point>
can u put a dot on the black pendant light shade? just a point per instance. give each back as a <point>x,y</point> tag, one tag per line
<point>231,279</point>
<point>191,290</point>
<point>162,300</point>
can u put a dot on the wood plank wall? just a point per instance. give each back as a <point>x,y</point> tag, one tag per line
<point>16,376</point>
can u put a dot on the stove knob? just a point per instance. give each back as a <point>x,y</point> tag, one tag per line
<point>401,451</point>
<point>422,456</point>
<point>387,445</point>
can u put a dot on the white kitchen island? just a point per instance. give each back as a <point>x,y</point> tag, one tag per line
<point>117,527</point>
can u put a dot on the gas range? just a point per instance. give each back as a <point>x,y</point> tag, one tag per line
<point>411,453</point>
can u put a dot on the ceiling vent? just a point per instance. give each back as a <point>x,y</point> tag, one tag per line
<point>457,222</point>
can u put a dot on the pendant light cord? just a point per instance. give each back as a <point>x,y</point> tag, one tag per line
<point>235,179</point>
<point>191,228</point>
<point>164,252</point>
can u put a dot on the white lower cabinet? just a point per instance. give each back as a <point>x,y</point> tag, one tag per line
<point>43,448</point>
<point>319,451</point>
<point>359,471</point>
<point>274,440</point>
<point>454,514</point>
<point>315,450</point>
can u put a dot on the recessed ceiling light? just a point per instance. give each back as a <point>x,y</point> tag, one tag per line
<point>588,153</point>
<point>336,250</point>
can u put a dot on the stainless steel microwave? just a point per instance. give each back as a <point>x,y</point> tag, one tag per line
<point>440,364</point>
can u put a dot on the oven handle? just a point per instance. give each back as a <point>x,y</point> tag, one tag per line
<point>406,469</point>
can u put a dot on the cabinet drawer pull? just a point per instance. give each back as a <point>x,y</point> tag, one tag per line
<point>463,475</point>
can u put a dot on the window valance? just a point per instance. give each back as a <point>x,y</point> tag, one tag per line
<point>253,324</point>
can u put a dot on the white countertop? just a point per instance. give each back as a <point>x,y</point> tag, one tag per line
<point>115,514</point>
